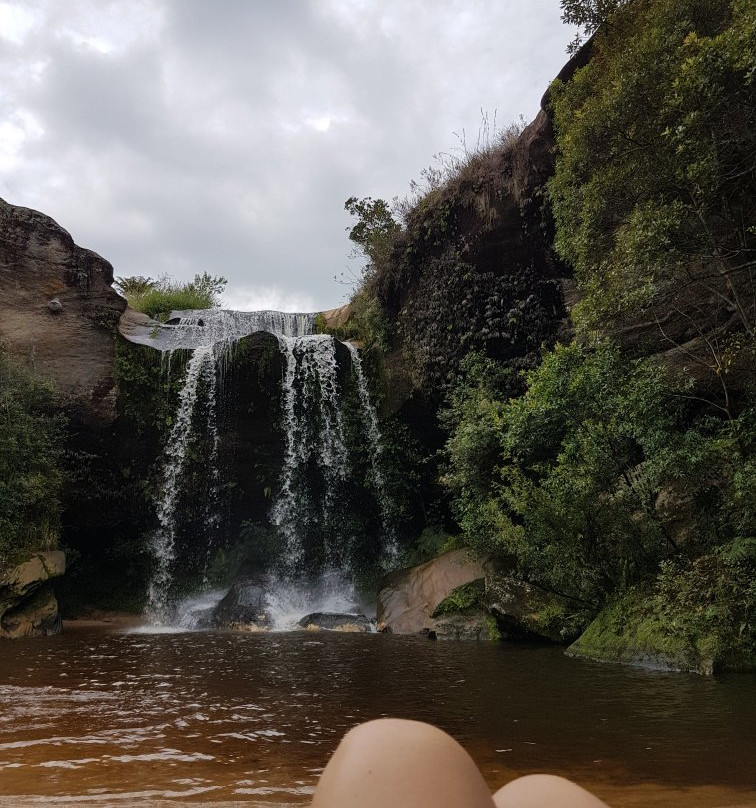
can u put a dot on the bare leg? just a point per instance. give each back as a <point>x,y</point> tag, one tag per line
<point>543,791</point>
<point>392,763</point>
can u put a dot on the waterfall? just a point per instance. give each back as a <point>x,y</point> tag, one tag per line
<point>313,431</point>
<point>164,540</point>
<point>210,335</point>
<point>373,432</point>
<point>311,508</point>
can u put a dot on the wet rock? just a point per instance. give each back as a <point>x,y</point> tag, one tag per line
<point>523,610</point>
<point>244,608</point>
<point>332,621</point>
<point>407,598</point>
<point>476,626</point>
<point>28,607</point>
<point>632,631</point>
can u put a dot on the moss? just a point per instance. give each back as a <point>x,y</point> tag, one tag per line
<point>493,630</point>
<point>464,598</point>
<point>631,631</point>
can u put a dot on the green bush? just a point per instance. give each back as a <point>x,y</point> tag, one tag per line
<point>32,432</point>
<point>710,603</point>
<point>656,148</point>
<point>570,479</point>
<point>158,298</point>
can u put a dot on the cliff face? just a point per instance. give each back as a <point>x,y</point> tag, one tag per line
<point>58,311</point>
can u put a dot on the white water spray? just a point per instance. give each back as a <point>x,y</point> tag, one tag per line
<point>370,420</point>
<point>164,540</point>
<point>310,387</point>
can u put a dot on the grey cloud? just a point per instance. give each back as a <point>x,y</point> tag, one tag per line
<point>190,147</point>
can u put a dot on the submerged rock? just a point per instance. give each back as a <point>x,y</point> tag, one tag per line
<point>333,621</point>
<point>28,607</point>
<point>474,626</point>
<point>244,608</point>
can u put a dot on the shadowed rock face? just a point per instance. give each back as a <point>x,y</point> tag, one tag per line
<point>28,607</point>
<point>58,312</point>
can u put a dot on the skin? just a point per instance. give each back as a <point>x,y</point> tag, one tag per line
<point>407,764</point>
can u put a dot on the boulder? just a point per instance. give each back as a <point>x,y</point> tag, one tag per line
<point>245,607</point>
<point>58,310</point>
<point>472,626</point>
<point>632,631</point>
<point>524,610</point>
<point>407,598</point>
<point>28,607</point>
<point>332,621</point>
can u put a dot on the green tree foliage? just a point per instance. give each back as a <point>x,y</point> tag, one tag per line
<point>157,298</point>
<point>571,479</point>
<point>656,171</point>
<point>589,15</point>
<point>31,447</point>
<point>375,230</point>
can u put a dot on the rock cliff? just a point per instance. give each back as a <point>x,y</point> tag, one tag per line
<point>58,312</point>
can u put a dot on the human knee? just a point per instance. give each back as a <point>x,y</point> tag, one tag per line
<point>545,791</point>
<point>387,733</point>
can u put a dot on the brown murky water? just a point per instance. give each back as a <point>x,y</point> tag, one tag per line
<point>105,718</point>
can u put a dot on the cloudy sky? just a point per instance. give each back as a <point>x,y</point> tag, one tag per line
<point>177,136</point>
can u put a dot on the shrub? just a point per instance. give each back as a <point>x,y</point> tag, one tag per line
<point>158,298</point>
<point>31,449</point>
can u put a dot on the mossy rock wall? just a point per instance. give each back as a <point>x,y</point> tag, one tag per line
<point>632,632</point>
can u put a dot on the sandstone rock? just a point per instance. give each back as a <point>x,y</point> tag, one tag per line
<point>333,318</point>
<point>71,342</point>
<point>408,598</point>
<point>330,621</point>
<point>245,607</point>
<point>28,607</point>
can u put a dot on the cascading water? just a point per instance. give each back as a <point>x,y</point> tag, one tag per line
<point>370,419</point>
<point>314,569</point>
<point>164,540</point>
<point>313,431</point>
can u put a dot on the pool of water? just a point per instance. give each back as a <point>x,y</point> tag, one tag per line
<point>97,717</point>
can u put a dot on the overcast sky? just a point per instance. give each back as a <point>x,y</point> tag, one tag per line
<point>177,136</point>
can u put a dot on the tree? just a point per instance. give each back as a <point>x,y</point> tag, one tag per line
<point>134,285</point>
<point>375,228</point>
<point>208,286</point>
<point>655,180</point>
<point>589,15</point>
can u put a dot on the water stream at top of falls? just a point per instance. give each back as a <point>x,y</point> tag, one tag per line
<point>316,461</point>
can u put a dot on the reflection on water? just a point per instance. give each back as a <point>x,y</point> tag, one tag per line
<point>219,717</point>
